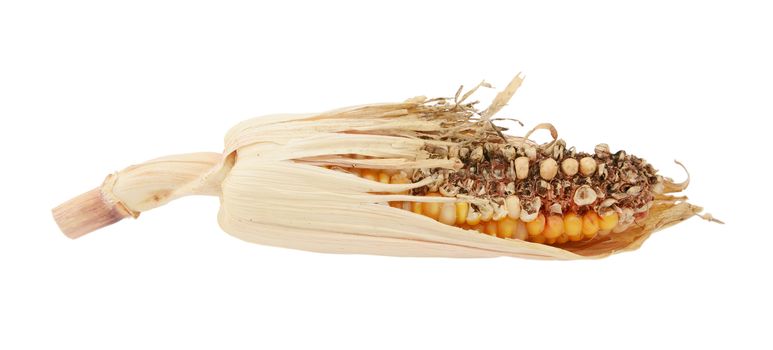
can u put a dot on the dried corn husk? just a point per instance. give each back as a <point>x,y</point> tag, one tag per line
<point>274,189</point>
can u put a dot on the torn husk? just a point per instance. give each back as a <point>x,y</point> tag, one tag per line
<point>294,181</point>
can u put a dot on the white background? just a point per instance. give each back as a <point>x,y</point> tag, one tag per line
<point>87,88</point>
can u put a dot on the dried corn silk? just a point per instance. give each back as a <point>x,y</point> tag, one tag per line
<point>425,177</point>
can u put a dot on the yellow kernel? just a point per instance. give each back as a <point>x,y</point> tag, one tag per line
<point>576,238</point>
<point>416,207</point>
<point>480,228</point>
<point>383,177</point>
<point>609,221</point>
<point>536,226</point>
<point>491,228</point>
<point>554,227</point>
<point>537,239</point>
<point>431,209</point>
<point>562,239</point>
<point>473,218</point>
<point>370,174</point>
<point>447,214</point>
<point>573,225</point>
<point>400,179</point>
<point>506,227</point>
<point>520,231</point>
<point>462,209</point>
<point>590,224</point>
<point>551,240</point>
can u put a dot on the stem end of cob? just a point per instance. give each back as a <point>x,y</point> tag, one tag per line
<point>88,212</point>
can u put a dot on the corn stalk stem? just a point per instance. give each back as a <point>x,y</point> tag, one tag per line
<point>139,188</point>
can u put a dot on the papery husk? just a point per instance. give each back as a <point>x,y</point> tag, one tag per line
<point>274,191</point>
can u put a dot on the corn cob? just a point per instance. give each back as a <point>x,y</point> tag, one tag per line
<point>426,177</point>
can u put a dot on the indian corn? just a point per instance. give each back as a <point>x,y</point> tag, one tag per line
<point>425,177</point>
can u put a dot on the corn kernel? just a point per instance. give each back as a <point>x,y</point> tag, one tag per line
<point>431,209</point>
<point>521,167</point>
<point>554,227</point>
<point>520,231</point>
<point>513,205</point>
<point>383,177</point>
<point>400,178</point>
<point>587,166</point>
<point>537,226</point>
<point>537,239</point>
<point>551,240</point>
<point>473,218</point>
<point>590,224</point>
<point>486,213</point>
<point>573,225</point>
<point>491,228</point>
<point>548,169</point>
<point>569,166</point>
<point>462,209</point>
<point>447,213</point>
<point>609,221</point>
<point>416,207</point>
<point>370,174</point>
<point>506,228</point>
<point>562,239</point>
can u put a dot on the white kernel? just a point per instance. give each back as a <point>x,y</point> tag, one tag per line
<point>569,166</point>
<point>587,166</point>
<point>448,214</point>
<point>521,168</point>
<point>548,169</point>
<point>513,205</point>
